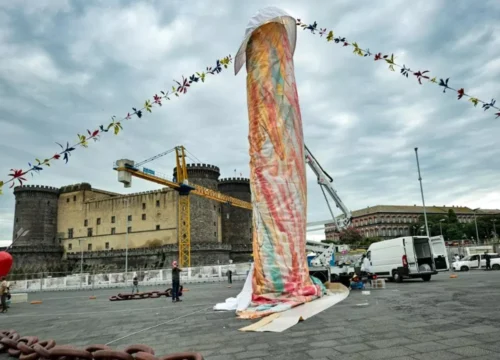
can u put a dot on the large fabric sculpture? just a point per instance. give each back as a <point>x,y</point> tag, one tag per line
<point>277,168</point>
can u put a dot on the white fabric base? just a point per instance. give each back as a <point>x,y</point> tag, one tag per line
<point>289,318</point>
<point>243,300</point>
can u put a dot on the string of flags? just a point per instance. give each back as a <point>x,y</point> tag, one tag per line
<point>420,75</point>
<point>18,176</point>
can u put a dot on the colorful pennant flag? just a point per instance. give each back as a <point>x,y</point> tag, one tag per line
<point>420,75</point>
<point>18,176</point>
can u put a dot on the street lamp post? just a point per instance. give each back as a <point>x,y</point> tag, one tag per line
<point>440,226</point>
<point>422,193</point>
<point>494,228</point>
<point>475,221</point>
<point>126,244</point>
<point>81,260</point>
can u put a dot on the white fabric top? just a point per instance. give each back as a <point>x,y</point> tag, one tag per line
<point>264,16</point>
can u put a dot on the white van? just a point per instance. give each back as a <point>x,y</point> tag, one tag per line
<point>408,257</point>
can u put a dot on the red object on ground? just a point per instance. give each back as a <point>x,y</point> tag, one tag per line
<point>5,263</point>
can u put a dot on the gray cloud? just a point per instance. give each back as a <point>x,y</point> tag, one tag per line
<point>69,66</point>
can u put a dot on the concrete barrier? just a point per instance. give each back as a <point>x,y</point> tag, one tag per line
<point>18,298</point>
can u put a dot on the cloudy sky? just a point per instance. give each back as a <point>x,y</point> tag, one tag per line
<point>68,66</point>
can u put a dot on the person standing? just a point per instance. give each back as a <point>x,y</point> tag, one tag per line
<point>135,285</point>
<point>4,293</point>
<point>366,268</point>
<point>176,280</point>
<point>487,257</point>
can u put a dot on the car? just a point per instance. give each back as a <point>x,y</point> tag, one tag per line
<point>472,262</point>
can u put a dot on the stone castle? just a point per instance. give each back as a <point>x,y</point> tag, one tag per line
<point>78,221</point>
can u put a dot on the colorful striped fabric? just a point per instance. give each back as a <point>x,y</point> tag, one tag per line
<point>278,177</point>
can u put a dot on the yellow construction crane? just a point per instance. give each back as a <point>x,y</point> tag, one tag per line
<point>127,168</point>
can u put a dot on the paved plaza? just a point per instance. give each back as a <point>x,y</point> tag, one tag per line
<point>443,319</point>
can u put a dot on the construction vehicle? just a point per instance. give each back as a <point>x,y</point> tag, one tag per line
<point>325,182</point>
<point>322,262</point>
<point>127,168</point>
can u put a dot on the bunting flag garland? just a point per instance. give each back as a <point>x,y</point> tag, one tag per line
<point>330,36</point>
<point>17,176</point>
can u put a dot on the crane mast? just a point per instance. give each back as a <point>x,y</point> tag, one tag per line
<point>184,214</point>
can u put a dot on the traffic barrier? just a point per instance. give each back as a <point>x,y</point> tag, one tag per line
<point>19,298</point>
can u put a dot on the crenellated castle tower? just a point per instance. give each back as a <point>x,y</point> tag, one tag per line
<point>236,222</point>
<point>36,210</point>
<point>205,213</point>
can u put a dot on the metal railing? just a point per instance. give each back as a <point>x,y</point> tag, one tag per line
<point>46,281</point>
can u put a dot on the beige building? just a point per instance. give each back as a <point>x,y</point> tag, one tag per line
<point>98,220</point>
<point>66,223</point>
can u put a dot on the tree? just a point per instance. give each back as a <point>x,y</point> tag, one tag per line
<point>350,236</point>
<point>453,231</point>
<point>452,217</point>
<point>367,241</point>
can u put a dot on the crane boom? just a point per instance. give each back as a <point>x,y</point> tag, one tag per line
<point>325,182</point>
<point>197,189</point>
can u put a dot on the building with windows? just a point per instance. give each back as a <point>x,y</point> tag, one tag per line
<point>390,221</point>
<point>79,220</point>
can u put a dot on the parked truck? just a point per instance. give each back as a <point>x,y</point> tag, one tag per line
<point>408,257</point>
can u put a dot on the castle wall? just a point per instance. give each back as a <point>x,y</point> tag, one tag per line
<point>236,222</point>
<point>36,211</point>
<point>60,220</point>
<point>205,213</point>
<point>148,258</point>
<point>35,260</point>
<point>102,223</point>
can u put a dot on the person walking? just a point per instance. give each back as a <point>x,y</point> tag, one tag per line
<point>176,280</point>
<point>4,292</point>
<point>135,285</point>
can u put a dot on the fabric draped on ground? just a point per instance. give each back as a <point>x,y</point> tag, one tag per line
<point>247,308</point>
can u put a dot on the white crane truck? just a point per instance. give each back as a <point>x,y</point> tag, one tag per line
<point>323,265</point>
